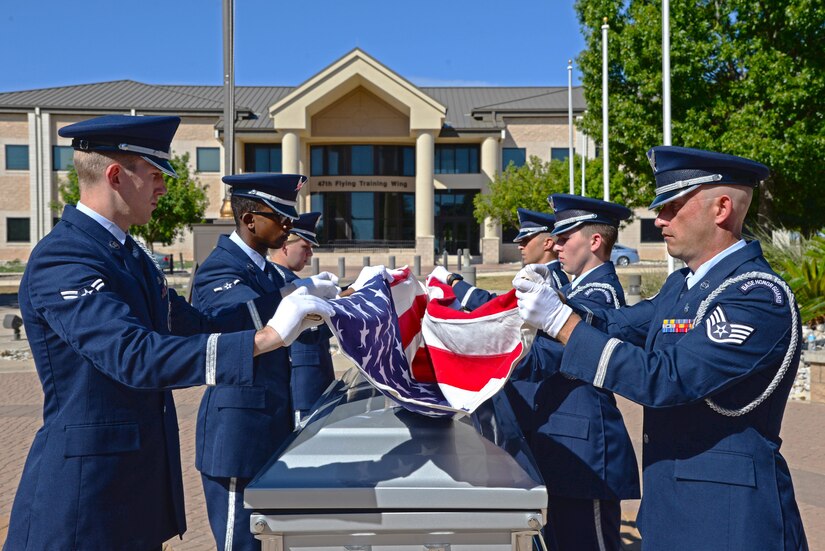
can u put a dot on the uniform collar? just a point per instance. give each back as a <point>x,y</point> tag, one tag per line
<point>581,278</point>
<point>107,224</point>
<point>253,255</point>
<point>692,278</point>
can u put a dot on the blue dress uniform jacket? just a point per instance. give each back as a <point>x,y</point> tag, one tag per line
<point>472,297</point>
<point>240,427</point>
<point>104,470</point>
<point>312,369</point>
<point>576,431</point>
<point>711,480</point>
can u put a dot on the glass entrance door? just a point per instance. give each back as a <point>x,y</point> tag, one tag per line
<point>455,226</point>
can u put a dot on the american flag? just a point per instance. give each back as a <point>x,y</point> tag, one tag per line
<point>467,357</point>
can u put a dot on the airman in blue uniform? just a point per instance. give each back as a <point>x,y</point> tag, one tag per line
<point>712,358</point>
<point>312,369</point>
<point>577,433</point>
<point>240,427</point>
<point>110,340</point>
<point>536,246</point>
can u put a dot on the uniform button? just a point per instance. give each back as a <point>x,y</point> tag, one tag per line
<point>645,439</point>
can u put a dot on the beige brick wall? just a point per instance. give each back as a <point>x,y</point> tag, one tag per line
<point>195,132</point>
<point>536,135</point>
<point>14,184</point>
<point>14,128</point>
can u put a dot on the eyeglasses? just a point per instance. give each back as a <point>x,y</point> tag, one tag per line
<point>284,221</point>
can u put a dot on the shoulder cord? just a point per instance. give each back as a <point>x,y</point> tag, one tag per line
<point>148,253</point>
<point>789,354</point>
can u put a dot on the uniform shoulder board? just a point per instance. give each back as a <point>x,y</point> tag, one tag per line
<point>749,285</point>
<point>609,292</point>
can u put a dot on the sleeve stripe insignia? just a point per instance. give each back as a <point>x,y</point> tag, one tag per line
<point>720,330</point>
<point>226,286</point>
<point>96,285</point>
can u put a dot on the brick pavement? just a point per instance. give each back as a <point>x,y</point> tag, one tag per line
<point>20,417</point>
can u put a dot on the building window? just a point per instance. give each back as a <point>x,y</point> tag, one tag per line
<point>62,157</point>
<point>17,157</point>
<point>457,159</point>
<point>560,153</point>
<point>262,157</point>
<point>362,160</point>
<point>649,232</point>
<point>17,230</point>
<point>364,217</point>
<point>208,159</point>
<point>515,155</point>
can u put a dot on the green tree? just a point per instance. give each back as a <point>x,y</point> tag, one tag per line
<point>745,80</point>
<point>529,185</point>
<point>68,190</point>
<point>183,205</point>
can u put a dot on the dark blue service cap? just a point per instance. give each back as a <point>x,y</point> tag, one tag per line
<point>531,222</point>
<point>573,211</point>
<point>679,170</point>
<point>304,227</point>
<point>278,191</point>
<point>149,137</point>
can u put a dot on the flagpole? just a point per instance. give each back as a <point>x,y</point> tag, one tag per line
<point>583,155</point>
<point>605,142</point>
<point>666,122</point>
<point>570,121</point>
<point>228,100</point>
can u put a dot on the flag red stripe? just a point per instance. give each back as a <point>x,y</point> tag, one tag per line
<point>471,372</point>
<point>409,323</point>
<point>422,366</point>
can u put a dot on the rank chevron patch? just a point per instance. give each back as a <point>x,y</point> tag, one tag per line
<point>97,285</point>
<point>720,330</point>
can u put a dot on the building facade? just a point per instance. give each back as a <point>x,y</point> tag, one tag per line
<point>392,166</point>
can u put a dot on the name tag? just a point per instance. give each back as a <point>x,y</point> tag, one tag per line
<point>676,326</point>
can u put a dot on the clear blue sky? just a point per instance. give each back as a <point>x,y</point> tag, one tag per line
<point>277,42</point>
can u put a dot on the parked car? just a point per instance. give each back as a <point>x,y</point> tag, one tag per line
<point>622,256</point>
<point>165,261</point>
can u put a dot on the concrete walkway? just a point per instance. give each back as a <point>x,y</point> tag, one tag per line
<point>21,403</point>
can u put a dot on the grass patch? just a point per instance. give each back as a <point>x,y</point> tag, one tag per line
<point>495,283</point>
<point>12,267</point>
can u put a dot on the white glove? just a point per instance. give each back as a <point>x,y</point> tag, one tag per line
<point>291,317</point>
<point>369,272</point>
<point>539,305</point>
<point>537,273</point>
<point>325,276</point>
<point>323,285</point>
<point>440,273</point>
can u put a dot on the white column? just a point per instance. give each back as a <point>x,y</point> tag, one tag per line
<point>290,153</point>
<point>291,160</point>
<point>49,187</point>
<point>425,197</point>
<point>40,175</point>
<point>491,232</point>
<point>35,173</point>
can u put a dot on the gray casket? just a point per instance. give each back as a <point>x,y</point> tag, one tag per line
<point>366,475</point>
